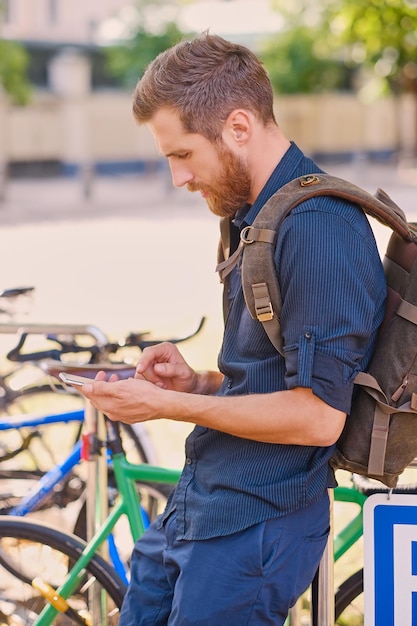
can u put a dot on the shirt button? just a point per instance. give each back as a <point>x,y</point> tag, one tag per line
<point>229,383</point>
<point>307,334</point>
<point>188,460</point>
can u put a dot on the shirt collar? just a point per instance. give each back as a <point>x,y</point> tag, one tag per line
<point>282,174</point>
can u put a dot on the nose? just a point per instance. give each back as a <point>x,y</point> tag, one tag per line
<point>181,175</point>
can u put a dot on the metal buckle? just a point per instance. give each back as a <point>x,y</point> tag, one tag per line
<point>266,314</point>
<point>244,235</point>
<point>305,181</point>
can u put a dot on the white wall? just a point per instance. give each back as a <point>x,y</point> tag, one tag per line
<point>338,123</point>
<point>99,127</point>
<point>75,20</point>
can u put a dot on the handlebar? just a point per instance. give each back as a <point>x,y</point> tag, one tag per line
<point>137,339</point>
<point>12,298</point>
<point>15,292</point>
<point>65,338</point>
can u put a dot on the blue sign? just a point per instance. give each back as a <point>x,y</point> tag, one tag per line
<point>390,560</point>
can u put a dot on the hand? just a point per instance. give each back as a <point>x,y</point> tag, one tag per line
<point>164,366</point>
<point>128,401</point>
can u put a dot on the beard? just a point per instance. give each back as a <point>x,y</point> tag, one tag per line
<point>230,189</point>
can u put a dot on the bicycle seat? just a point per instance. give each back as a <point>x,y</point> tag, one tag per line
<point>90,370</point>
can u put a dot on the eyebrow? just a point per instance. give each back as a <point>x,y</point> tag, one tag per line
<point>176,153</point>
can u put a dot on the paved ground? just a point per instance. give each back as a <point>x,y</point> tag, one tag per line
<point>30,201</point>
<point>136,255</point>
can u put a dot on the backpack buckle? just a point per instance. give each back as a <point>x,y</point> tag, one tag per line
<point>305,181</point>
<point>244,235</point>
<point>265,314</point>
<point>262,301</point>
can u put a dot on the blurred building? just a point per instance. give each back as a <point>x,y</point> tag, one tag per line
<point>80,120</point>
<point>56,21</point>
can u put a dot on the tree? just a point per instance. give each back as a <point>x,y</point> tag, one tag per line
<point>150,29</point>
<point>376,41</point>
<point>380,37</point>
<point>128,61</point>
<point>13,71</point>
<point>298,63</point>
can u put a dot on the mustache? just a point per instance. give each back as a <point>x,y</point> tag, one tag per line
<point>193,187</point>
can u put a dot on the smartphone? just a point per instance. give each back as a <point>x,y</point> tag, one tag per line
<point>74,380</point>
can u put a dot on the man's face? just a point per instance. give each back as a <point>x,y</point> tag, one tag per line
<point>229,189</point>
<point>221,176</point>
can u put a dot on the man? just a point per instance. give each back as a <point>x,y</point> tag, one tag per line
<point>244,531</point>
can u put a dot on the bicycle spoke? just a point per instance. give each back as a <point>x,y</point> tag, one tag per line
<point>23,559</point>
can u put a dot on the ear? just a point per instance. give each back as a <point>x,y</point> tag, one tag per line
<point>238,127</point>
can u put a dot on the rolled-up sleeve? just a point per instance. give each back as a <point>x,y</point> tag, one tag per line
<point>333,293</point>
<point>323,374</point>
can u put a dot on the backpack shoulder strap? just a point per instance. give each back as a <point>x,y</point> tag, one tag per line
<point>259,280</point>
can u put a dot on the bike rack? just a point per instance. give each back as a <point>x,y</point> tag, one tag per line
<point>322,587</point>
<point>96,492</point>
<point>55,329</point>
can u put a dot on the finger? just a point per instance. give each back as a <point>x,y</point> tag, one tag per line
<point>161,353</point>
<point>171,370</point>
<point>105,389</point>
<point>149,375</point>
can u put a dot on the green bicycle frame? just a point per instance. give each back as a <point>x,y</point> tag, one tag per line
<point>126,474</point>
<point>350,533</point>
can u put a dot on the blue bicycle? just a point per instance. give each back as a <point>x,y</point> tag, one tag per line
<point>36,473</point>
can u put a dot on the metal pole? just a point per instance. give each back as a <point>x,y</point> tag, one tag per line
<point>96,498</point>
<point>294,615</point>
<point>4,169</point>
<point>322,604</point>
<point>3,180</point>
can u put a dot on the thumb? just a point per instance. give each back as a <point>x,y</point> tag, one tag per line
<point>162,369</point>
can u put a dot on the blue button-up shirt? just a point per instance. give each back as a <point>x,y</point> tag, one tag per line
<point>333,292</point>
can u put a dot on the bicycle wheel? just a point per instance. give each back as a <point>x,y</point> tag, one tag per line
<point>137,442</point>
<point>153,498</point>
<point>349,607</point>
<point>29,550</point>
<point>34,450</point>
<point>34,447</point>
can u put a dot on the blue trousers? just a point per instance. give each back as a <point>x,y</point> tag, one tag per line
<point>249,578</point>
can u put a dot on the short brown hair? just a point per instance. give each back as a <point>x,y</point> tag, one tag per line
<point>204,80</point>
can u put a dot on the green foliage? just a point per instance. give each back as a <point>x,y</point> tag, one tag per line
<point>297,63</point>
<point>382,36</point>
<point>13,72</point>
<point>149,29</point>
<point>378,36</point>
<point>128,61</point>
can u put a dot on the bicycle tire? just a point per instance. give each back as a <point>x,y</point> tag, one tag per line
<point>153,497</point>
<point>142,443</point>
<point>137,433</point>
<point>136,441</point>
<point>39,455</point>
<point>54,550</point>
<point>11,397</point>
<point>348,599</point>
